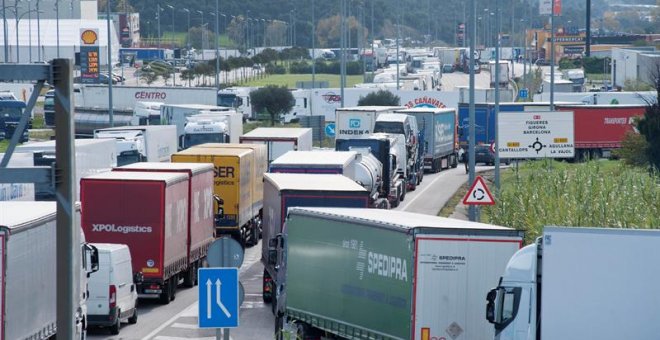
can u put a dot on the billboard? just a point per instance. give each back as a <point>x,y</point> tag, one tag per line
<point>89,55</point>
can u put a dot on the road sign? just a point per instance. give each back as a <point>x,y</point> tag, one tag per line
<point>491,148</point>
<point>544,134</point>
<point>479,194</point>
<point>330,129</point>
<point>523,93</point>
<point>218,297</point>
<point>225,252</point>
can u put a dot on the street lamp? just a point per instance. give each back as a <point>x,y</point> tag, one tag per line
<point>158,10</point>
<point>172,8</point>
<point>57,23</point>
<point>18,19</point>
<point>188,31</point>
<point>38,33</point>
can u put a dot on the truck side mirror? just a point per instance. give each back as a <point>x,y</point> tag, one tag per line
<point>221,210</point>
<point>138,277</point>
<point>490,305</point>
<point>92,257</point>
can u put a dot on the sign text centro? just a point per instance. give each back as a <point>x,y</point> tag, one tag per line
<point>536,134</point>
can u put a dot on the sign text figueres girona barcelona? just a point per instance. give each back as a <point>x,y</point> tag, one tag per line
<point>424,102</point>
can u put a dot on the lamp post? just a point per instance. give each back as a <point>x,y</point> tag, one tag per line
<point>172,8</point>
<point>29,32</point>
<point>5,31</point>
<point>202,26</point>
<point>18,19</point>
<point>110,108</point>
<point>57,24</point>
<point>187,31</point>
<point>38,33</point>
<point>217,45</point>
<point>158,9</point>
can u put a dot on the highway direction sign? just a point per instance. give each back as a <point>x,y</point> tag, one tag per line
<point>330,129</point>
<point>218,297</point>
<point>545,134</point>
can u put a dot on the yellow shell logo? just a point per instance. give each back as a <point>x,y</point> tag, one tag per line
<point>89,37</point>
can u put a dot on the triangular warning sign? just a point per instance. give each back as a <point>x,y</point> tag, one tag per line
<point>479,194</point>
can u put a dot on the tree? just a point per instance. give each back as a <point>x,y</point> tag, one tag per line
<point>380,98</point>
<point>274,100</point>
<point>649,125</point>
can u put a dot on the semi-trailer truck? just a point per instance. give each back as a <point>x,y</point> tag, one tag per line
<point>148,143</point>
<point>280,140</point>
<point>28,294</point>
<point>440,129</point>
<point>358,121</point>
<point>200,206</point>
<point>385,274</point>
<point>233,182</point>
<point>148,211</point>
<point>580,283</point>
<point>283,191</point>
<point>406,125</point>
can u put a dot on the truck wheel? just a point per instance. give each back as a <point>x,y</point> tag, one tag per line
<point>189,279</point>
<point>273,304</point>
<point>174,283</point>
<point>114,329</point>
<point>403,193</point>
<point>133,319</point>
<point>454,162</point>
<point>267,290</point>
<point>166,294</point>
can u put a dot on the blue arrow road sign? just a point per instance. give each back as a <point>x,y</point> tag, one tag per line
<point>330,129</point>
<point>523,93</point>
<point>218,297</point>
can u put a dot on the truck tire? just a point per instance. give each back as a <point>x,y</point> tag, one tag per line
<point>273,303</point>
<point>166,294</point>
<point>133,319</point>
<point>403,194</point>
<point>174,283</point>
<point>454,161</point>
<point>114,329</point>
<point>267,290</point>
<point>190,278</point>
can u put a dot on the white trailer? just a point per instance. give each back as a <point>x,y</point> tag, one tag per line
<point>586,283</point>
<point>503,80</point>
<point>125,97</point>
<point>28,271</point>
<point>93,156</point>
<point>280,140</point>
<point>18,191</point>
<point>145,143</point>
<point>359,121</point>
<point>317,162</point>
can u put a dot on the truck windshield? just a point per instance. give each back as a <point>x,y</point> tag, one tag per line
<point>11,111</point>
<point>227,100</point>
<point>389,127</point>
<point>196,139</point>
<point>49,102</point>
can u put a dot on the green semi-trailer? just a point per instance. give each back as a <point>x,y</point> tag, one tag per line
<point>378,274</point>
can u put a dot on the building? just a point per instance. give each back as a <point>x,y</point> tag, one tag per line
<point>38,40</point>
<point>128,26</point>
<point>635,64</point>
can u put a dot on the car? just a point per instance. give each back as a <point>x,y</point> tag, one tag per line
<point>541,62</point>
<point>447,68</point>
<point>482,154</point>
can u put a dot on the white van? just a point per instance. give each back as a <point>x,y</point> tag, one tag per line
<point>112,293</point>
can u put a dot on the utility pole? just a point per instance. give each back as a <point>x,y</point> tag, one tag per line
<point>110,108</point>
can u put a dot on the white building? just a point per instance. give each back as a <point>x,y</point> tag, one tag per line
<point>634,64</point>
<point>37,38</point>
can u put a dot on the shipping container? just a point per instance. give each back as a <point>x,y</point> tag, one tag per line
<point>384,274</point>
<point>440,129</point>
<point>200,205</point>
<point>280,140</point>
<point>148,211</point>
<point>232,183</point>
<point>283,191</point>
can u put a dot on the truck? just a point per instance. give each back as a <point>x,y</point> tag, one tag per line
<point>200,207</point>
<point>600,129</point>
<point>232,182</point>
<point>10,115</point>
<point>237,98</point>
<point>503,80</point>
<point>144,54</point>
<point>148,211</point>
<point>284,191</point>
<point>212,127</point>
<point>439,127</point>
<point>18,191</point>
<point>585,282</point>
<point>29,271</point>
<point>391,185</point>
<point>143,143</point>
<point>88,96</point>
<point>93,156</point>
<point>279,140</point>
<point>405,125</point>
<point>171,114</point>
<point>358,121</point>
<point>147,113</point>
<point>385,274</point>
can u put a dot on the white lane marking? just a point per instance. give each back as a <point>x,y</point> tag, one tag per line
<point>183,325</point>
<point>253,255</point>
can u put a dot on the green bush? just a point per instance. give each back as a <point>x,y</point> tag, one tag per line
<point>275,69</point>
<point>300,67</point>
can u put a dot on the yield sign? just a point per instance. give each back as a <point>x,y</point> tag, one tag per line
<point>479,194</point>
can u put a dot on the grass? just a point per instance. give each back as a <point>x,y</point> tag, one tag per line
<point>593,194</point>
<point>289,80</point>
<point>597,76</point>
<point>4,144</point>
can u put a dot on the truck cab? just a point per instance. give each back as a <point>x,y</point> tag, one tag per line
<point>201,130</point>
<point>512,305</point>
<point>405,125</point>
<point>10,115</point>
